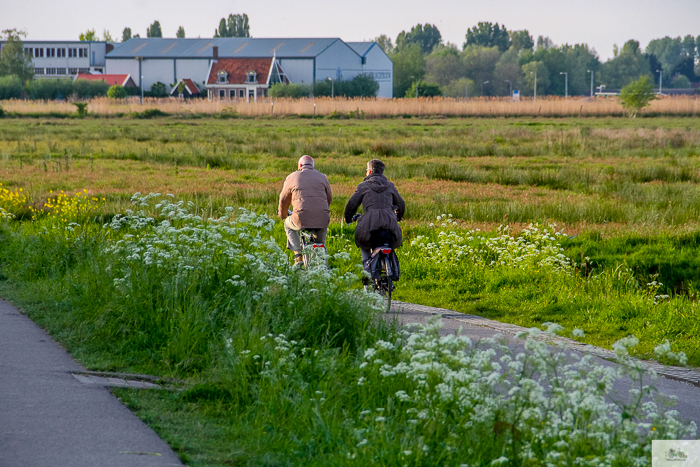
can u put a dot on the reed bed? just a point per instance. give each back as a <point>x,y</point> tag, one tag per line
<point>367,108</point>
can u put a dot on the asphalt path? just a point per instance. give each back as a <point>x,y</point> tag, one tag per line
<point>48,418</point>
<point>688,394</point>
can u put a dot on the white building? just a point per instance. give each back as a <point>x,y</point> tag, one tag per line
<point>64,59</point>
<point>303,60</point>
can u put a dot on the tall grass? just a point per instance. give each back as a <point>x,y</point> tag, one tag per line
<point>366,108</point>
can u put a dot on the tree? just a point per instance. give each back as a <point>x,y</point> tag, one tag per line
<point>462,87</point>
<point>222,31</point>
<point>443,66</point>
<point>637,95</point>
<point>88,36</point>
<point>116,92</point>
<point>409,65</point>
<point>126,34</point>
<point>544,43</point>
<point>425,89</point>
<point>521,40</point>
<point>669,51</point>
<point>529,70</point>
<point>14,61</point>
<point>685,67</point>
<point>507,72</point>
<point>681,82</point>
<point>180,34</point>
<point>629,64</point>
<point>106,36</point>
<point>154,30</point>
<point>427,37</point>
<point>235,26</point>
<point>384,42</point>
<point>10,87</point>
<point>479,64</point>
<point>486,34</point>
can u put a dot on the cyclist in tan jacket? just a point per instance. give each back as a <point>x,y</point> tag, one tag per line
<point>310,195</point>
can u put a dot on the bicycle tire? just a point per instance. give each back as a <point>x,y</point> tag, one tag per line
<point>386,284</point>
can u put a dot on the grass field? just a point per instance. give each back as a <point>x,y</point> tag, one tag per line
<point>622,260</point>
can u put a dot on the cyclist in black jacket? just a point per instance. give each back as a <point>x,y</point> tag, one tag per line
<point>383,208</point>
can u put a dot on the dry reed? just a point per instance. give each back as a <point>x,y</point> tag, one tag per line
<point>369,108</point>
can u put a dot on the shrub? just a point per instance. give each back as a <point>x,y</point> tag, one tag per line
<point>116,92</point>
<point>362,85</point>
<point>49,89</point>
<point>636,95</point>
<point>681,82</point>
<point>158,89</point>
<point>150,113</point>
<point>82,109</point>
<point>86,89</point>
<point>10,87</point>
<point>294,91</point>
<point>425,89</point>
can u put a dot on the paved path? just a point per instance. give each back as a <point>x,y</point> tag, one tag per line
<point>683,383</point>
<point>49,418</point>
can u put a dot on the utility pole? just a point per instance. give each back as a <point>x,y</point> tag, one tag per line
<point>591,72</point>
<point>535,73</point>
<point>332,87</point>
<point>566,84</point>
<point>661,80</point>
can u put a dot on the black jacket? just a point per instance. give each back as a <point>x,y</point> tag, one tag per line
<point>378,196</point>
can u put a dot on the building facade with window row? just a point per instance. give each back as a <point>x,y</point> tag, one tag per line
<point>66,59</point>
<point>151,60</point>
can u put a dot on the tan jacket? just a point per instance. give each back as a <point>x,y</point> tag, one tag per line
<point>309,193</point>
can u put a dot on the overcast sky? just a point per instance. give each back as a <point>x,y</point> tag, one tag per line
<point>599,23</point>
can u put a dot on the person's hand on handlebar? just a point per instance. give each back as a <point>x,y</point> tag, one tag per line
<point>355,217</point>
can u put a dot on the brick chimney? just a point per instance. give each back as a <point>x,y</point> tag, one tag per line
<point>215,52</point>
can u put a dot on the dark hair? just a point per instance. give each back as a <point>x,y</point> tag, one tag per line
<point>376,166</point>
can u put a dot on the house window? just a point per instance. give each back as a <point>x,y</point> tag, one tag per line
<point>72,71</point>
<point>82,52</point>
<point>50,52</point>
<point>38,53</point>
<point>29,51</point>
<point>222,94</point>
<point>99,70</point>
<point>241,93</point>
<point>232,94</point>
<point>60,71</point>
<point>38,71</point>
<point>61,52</point>
<point>222,77</point>
<point>251,77</point>
<point>50,71</point>
<point>83,71</point>
<point>72,52</point>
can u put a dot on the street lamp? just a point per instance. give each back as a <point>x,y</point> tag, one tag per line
<point>591,72</point>
<point>535,73</point>
<point>332,87</point>
<point>416,84</point>
<point>482,87</point>
<point>511,88</point>
<point>661,80</point>
<point>566,84</point>
<point>140,59</point>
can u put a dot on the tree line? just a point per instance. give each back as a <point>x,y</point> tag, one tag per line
<point>494,60</point>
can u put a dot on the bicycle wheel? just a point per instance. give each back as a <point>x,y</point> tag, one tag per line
<point>386,286</point>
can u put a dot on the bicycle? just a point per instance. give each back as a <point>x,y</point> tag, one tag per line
<point>383,256</point>
<point>310,246</point>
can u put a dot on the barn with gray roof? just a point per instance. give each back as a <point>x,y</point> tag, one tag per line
<point>303,60</point>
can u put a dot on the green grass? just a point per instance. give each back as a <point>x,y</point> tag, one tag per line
<point>625,191</point>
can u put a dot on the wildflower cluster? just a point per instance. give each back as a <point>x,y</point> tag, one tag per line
<point>459,400</point>
<point>66,208</point>
<point>537,245</point>
<point>12,202</point>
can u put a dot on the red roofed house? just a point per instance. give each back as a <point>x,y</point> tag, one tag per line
<point>243,78</point>
<point>122,80</point>
<point>191,89</point>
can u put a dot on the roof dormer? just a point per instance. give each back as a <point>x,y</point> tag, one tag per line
<point>252,77</point>
<point>222,77</point>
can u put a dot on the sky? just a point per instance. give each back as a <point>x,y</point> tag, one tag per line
<point>598,23</point>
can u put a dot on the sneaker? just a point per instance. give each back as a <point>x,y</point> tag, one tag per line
<point>298,259</point>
